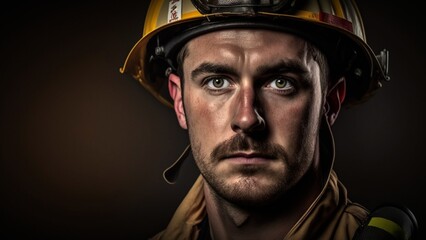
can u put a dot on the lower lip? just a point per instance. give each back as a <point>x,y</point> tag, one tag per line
<point>244,160</point>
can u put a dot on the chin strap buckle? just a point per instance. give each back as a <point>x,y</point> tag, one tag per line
<point>383,58</point>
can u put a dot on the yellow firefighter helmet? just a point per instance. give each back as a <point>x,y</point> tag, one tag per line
<point>334,26</point>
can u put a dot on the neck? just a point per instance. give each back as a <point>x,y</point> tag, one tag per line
<point>274,221</point>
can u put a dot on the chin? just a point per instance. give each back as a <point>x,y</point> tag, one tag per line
<point>252,191</point>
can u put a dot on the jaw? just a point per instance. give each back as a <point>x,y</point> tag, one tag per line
<point>230,220</point>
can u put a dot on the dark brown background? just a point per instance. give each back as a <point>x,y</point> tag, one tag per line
<point>83,147</point>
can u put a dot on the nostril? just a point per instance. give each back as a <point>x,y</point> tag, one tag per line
<point>248,120</point>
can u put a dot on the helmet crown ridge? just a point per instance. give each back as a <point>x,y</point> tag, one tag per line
<point>242,6</point>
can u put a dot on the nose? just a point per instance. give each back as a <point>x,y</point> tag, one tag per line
<point>247,116</point>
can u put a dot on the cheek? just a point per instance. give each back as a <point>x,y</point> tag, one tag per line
<point>290,125</point>
<point>207,120</point>
<point>289,117</point>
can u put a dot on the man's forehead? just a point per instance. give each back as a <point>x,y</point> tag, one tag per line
<point>235,44</point>
<point>245,37</point>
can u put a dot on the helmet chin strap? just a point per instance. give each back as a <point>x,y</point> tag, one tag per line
<point>327,154</point>
<point>171,173</point>
<point>327,146</point>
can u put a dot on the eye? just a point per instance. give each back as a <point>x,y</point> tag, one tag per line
<point>282,84</point>
<point>218,83</point>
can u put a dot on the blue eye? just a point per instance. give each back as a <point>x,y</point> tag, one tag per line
<point>218,83</point>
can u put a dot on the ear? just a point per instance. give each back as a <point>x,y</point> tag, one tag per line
<point>334,100</point>
<point>176,93</point>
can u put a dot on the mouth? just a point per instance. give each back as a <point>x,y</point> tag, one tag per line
<point>248,158</point>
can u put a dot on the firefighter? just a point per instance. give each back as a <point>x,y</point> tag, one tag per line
<point>258,85</point>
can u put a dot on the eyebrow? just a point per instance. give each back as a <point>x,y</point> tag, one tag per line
<point>282,66</point>
<point>207,67</point>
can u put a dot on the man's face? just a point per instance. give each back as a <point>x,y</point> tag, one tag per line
<point>252,102</point>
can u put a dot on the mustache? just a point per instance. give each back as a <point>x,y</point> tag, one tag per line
<point>240,143</point>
